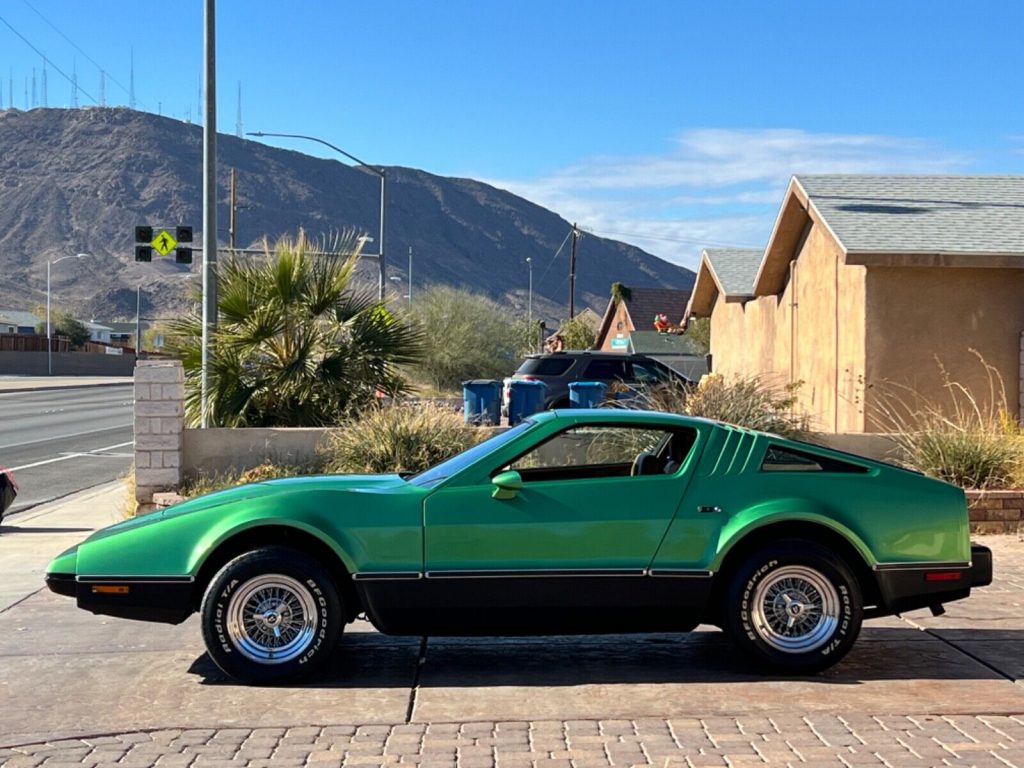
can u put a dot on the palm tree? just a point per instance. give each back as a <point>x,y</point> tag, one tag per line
<point>296,343</point>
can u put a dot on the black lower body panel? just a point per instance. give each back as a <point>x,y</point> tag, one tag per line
<point>169,601</point>
<point>909,587</point>
<point>534,605</point>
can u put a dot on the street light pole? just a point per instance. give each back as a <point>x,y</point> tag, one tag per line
<point>49,336</point>
<point>410,275</point>
<point>379,170</point>
<point>529,295</point>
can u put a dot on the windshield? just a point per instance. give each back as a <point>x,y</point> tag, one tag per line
<point>456,463</point>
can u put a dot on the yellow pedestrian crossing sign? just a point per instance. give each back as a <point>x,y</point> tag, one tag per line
<point>164,242</point>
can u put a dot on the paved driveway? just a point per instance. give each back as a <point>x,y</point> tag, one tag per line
<point>87,689</point>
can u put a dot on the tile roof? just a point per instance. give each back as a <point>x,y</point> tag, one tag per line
<point>921,214</point>
<point>644,303</point>
<point>735,268</point>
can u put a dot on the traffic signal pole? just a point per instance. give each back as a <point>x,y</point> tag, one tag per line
<point>209,204</point>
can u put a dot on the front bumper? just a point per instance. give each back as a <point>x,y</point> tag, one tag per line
<point>908,586</point>
<point>165,600</point>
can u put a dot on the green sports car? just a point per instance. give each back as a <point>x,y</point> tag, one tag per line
<point>577,521</point>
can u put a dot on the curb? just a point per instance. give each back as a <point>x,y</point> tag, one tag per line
<point>4,391</point>
<point>49,507</point>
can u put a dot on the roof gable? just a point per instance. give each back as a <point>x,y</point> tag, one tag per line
<point>893,220</point>
<point>729,272</point>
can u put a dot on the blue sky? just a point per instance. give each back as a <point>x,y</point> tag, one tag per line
<point>671,124</point>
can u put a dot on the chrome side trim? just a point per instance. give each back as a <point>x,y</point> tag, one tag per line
<point>538,573</point>
<point>680,573</point>
<point>387,576</point>
<point>919,566</point>
<point>135,579</point>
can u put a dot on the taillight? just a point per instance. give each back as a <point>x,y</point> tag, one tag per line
<point>943,576</point>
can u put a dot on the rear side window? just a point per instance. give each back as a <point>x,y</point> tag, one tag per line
<point>608,370</point>
<point>783,459</point>
<point>545,366</point>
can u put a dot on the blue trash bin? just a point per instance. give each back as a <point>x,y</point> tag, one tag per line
<point>586,394</point>
<point>481,401</point>
<point>524,398</point>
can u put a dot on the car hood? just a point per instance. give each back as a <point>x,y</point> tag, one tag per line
<point>206,502</point>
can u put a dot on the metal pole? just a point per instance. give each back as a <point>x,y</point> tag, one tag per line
<point>410,275</point>
<point>209,203</point>
<point>49,344</point>
<point>138,323</point>
<point>231,214</point>
<point>380,262</point>
<point>572,274</point>
<point>529,296</point>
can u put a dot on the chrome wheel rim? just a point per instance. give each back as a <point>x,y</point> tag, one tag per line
<point>795,609</point>
<point>271,619</point>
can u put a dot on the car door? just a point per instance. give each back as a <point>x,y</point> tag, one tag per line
<point>583,524</point>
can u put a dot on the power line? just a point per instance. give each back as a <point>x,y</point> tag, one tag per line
<point>552,262</point>
<point>63,74</point>
<point>75,46</point>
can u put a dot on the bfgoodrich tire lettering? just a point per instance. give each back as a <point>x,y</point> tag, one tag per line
<point>271,615</point>
<point>794,607</point>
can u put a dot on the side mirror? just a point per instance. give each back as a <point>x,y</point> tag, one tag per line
<point>506,484</point>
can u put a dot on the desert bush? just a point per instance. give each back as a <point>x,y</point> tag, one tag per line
<point>400,438</point>
<point>219,481</point>
<point>965,439</point>
<point>746,401</point>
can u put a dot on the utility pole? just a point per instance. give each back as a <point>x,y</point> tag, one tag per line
<point>231,215</point>
<point>572,273</point>
<point>209,203</point>
<point>410,275</point>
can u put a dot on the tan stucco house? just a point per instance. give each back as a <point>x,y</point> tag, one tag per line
<point>865,283</point>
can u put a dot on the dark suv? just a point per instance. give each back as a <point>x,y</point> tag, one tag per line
<point>559,369</point>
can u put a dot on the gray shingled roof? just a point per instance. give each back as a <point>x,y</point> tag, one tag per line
<point>21,319</point>
<point>922,214</point>
<point>644,303</point>
<point>736,268</point>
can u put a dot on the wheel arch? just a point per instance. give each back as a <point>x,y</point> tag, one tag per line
<point>276,534</point>
<point>748,541</point>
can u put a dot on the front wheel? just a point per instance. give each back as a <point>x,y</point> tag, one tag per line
<point>794,607</point>
<point>271,615</point>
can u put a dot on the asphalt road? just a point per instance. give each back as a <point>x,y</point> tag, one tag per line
<point>59,441</point>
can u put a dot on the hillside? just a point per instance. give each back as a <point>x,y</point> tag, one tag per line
<point>79,180</point>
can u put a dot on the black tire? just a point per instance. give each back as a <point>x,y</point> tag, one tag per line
<point>794,607</point>
<point>268,601</point>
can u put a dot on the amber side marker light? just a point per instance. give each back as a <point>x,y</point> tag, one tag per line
<point>943,576</point>
<point>110,589</point>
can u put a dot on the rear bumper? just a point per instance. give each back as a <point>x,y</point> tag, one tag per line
<point>165,600</point>
<point>908,586</point>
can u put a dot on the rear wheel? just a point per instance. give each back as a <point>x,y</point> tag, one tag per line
<point>794,607</point>
<point>271,615</point>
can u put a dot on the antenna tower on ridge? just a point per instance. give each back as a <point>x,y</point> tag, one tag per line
<point>131,82</point>
<point>74,85</point>
<point>238,120</point>
<point>103,88</point>
<point>46,101</point>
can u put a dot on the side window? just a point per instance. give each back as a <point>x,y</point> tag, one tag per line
<point>593,451</point>
<point>781,459</point>
<point>606,370</point>
<point>648,373</point>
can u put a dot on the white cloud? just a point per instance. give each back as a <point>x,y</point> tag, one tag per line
<point>715,186</point>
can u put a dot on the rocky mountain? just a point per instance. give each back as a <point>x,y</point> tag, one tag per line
<point>78,181</point>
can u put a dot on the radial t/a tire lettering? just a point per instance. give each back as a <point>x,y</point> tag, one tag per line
<point>271,615</point>
<point>794,607</point>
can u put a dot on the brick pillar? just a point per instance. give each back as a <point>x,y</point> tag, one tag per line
<point>159,423</point>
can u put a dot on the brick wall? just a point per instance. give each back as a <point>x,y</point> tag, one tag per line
<point>159,416</point>
<point>996,511</point>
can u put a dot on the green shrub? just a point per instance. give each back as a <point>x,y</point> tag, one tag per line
<point>962,440</point>
<point>220,481</point>
<point>401,438</point>
<point>746,401</point>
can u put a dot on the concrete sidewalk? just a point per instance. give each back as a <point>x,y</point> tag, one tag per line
<point>35,383</point>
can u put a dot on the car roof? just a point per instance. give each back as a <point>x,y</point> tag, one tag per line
<point>623,416</point>
<point>589,353</point>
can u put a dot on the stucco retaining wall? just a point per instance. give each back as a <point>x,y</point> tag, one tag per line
<point>219,450</point>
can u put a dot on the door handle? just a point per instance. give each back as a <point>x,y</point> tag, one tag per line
<point>709,510</point>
